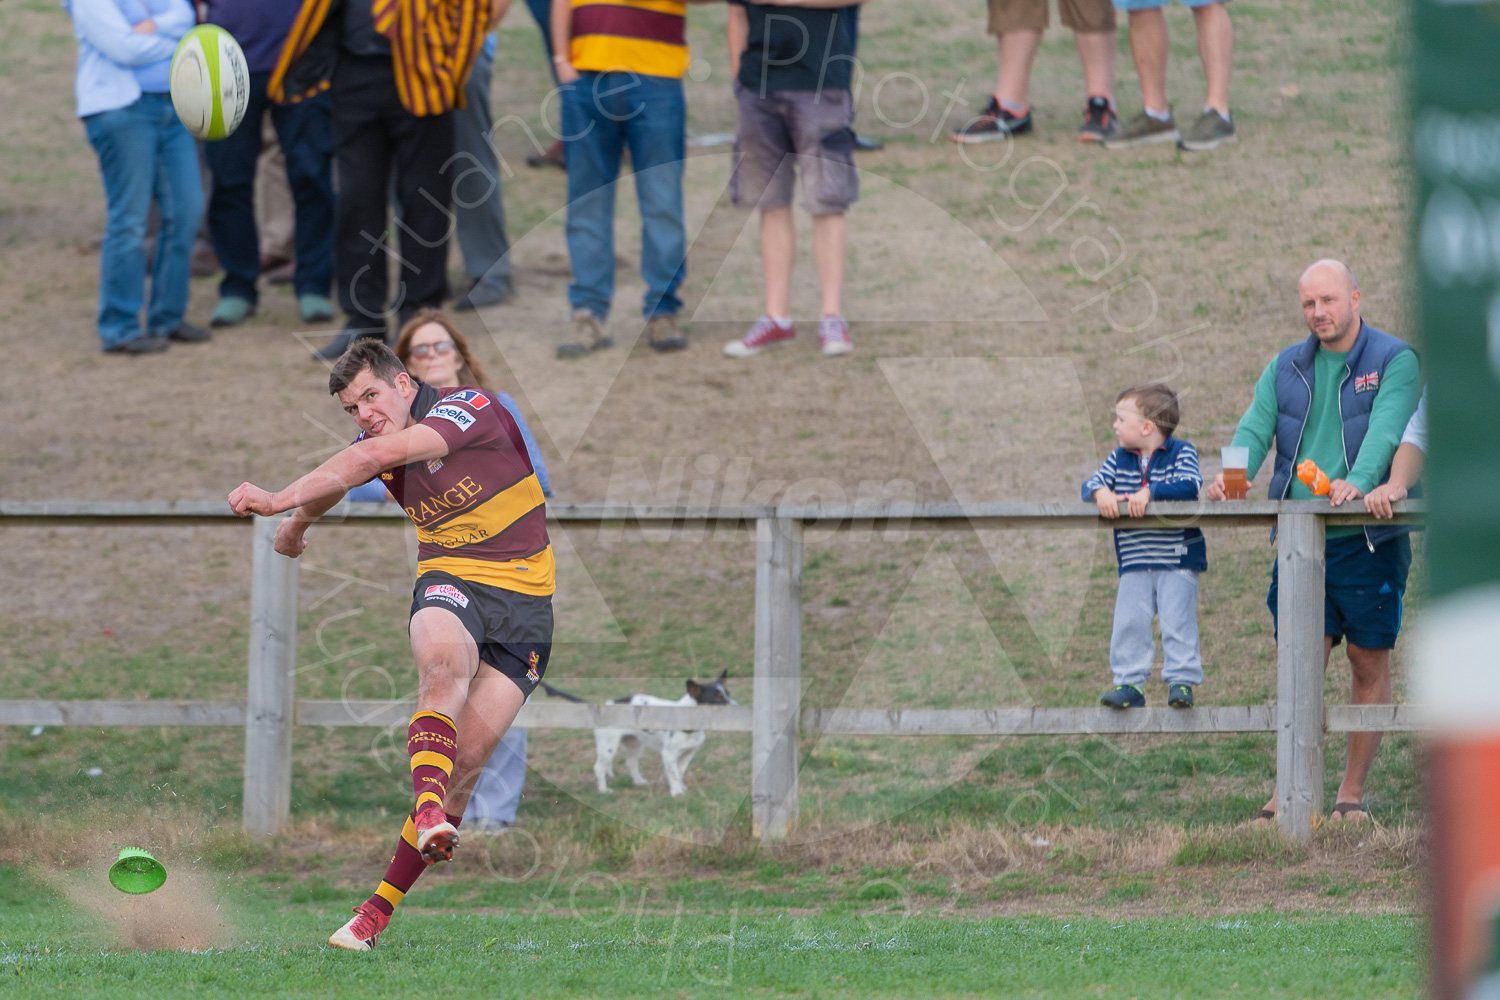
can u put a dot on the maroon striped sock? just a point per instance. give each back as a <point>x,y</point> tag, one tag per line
<point>405,868</point>
<point>432,743</point>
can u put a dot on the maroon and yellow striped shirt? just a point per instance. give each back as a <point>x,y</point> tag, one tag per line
<point>433,47</point>
<point>479,510</point>
<point>642,36</point>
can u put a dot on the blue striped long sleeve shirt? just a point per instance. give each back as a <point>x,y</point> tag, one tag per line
<point>1172,474</point>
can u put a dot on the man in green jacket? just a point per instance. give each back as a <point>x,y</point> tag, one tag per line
<point>1342,398</point>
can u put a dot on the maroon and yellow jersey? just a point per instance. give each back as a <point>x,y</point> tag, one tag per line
<point>479,510</point>
<point>637,36</point>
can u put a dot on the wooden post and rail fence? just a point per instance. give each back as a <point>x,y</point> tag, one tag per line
<point>775,718</point>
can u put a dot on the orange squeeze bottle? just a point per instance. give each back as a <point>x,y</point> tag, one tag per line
<point>1313,478</point>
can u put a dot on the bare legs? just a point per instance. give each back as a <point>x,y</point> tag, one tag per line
<point>1096,50</point>
<point>483,705</point>
<point>1372,686</point>
<point>778,253</point>
<point>830,241</point>
<point>447,661</point>
<point>1148,46</point>
<point>1017,50</point>
<point>1216,49</point>
<point>494,701</point>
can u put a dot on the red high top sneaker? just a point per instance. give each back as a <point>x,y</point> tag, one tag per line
<point>765,333</point>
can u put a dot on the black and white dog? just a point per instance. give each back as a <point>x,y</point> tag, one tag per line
<point>677,746</point>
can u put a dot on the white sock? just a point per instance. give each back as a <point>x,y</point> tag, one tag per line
<point>1160,116</point>
<point>782,321</point>
<point>1207,109</point>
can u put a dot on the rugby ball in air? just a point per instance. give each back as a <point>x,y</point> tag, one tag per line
<point>210,82</point>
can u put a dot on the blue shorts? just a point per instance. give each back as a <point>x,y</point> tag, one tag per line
<point>1362,591</point>
<point>1154,4</point>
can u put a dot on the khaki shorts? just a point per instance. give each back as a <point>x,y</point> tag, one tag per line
<point>1031,15</point>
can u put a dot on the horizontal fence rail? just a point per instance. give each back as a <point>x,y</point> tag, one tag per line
<point>775,718</point>
<point>544,715</point>
<point>884,516</point>
<point>733,719</point>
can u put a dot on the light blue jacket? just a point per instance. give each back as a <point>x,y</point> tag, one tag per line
<point>109,52</point>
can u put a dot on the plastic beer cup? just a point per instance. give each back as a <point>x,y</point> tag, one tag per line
<point>1236,479</point>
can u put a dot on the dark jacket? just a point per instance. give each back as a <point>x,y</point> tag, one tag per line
<point>1173,474</point>
<point>433,48</point>
<point>1373,350</point>
<point>260,26</point>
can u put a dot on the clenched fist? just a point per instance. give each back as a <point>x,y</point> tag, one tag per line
<point>291,538</point>
<point>247,499</point>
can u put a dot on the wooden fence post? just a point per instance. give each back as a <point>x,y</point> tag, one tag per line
<point>1299,673</point>
<point>775,757</point>
<point>272,684</point>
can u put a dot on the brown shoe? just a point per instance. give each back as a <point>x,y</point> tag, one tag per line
<point>663,335</point>
<point>553,157</point>
<point>204,263</point>
<point>588,337</point>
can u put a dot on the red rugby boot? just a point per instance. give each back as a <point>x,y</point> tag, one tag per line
<point>436,837</point>
<point>361,933</point>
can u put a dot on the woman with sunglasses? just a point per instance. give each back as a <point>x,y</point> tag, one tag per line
<point>435,352</point>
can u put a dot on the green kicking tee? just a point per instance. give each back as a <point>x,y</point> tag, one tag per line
<point>1323,437</point>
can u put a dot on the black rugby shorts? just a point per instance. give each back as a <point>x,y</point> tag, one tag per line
<point>512,630</point>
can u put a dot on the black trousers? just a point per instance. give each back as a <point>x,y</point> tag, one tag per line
<point>304,133</point>
<point>375,138</point>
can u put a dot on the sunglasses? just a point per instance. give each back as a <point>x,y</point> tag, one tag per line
<point>423,350</point>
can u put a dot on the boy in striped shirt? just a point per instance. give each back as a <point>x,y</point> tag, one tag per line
<point>1158,567</point>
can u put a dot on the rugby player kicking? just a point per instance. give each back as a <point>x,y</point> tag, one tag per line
<point>481,613</point>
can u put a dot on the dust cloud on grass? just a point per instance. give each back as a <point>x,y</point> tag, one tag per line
<point>183,915</point>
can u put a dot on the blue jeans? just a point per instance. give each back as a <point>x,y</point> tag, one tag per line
<point>144,153</point>
<point>541,12</point>
<point>602,114</point>
<point>305,132</point>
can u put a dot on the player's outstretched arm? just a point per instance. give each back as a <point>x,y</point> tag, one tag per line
<point>326,485</point>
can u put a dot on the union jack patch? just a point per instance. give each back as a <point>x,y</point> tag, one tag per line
<point>1367,383</point>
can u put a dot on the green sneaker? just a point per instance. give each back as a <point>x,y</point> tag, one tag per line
<point>1143,130</point>
<point>315,308</point>
<point>1210,131</point>
<point>1124,696</point>
<point>231,311</point>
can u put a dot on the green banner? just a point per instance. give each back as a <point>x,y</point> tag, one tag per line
<point>1455,127</point>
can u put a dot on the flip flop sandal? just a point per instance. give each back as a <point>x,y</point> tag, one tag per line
<point>1345,808</point>
<point>1263,814</point>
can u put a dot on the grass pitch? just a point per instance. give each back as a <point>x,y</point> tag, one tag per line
<point>595,947</point>
<point>1042,867</point>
